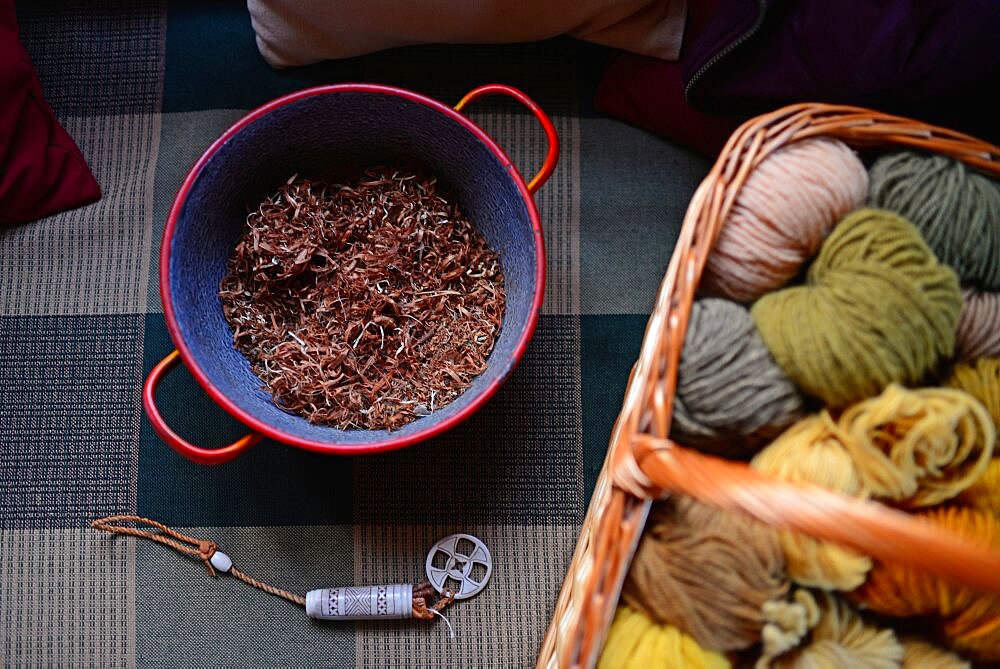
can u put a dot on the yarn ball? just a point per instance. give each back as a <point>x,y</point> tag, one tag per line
<point>918,654</point>
<point>978,325</point>
<point>878,307</point>
<point>786,624</point>
<point>636,642</point>
<point>969,619</point>
<point>706,572</point>
<point>811,451</point>
<point>781,215</point>
<point>913,447</point>
<point>984,494</point>
<point>918,447</point>
<point>980,379</point>
<point>731,395</point>
<point>957,210</point>
<point>841,638</point>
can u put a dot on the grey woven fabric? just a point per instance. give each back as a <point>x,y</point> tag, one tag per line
<point>144,88</point>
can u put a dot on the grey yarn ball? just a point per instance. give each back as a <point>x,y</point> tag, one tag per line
<point>956,210</point>
<point>731,395</point>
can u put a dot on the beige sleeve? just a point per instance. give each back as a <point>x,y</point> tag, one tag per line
<point>299,32</point>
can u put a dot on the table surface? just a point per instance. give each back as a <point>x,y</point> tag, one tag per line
<point>144,88</point>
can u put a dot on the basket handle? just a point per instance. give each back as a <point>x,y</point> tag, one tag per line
<point>550,131</point>
<point>203,456</point>
<point>871,528</point>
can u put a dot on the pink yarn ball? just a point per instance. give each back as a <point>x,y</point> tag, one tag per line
<point>782,214</point>
<point>978,334</point>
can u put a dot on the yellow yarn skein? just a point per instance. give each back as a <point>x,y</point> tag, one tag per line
<point>877,308</point>
<point>918,447</point>
<point>912,447</point>
<point>636,642</point>
<point>980,379</point>
<point>984,494</point>
<point>812,452</point>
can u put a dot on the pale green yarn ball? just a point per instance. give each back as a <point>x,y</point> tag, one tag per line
<point>877,308</point>
<point>956,210</point>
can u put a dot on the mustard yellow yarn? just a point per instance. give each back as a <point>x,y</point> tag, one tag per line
<point>877,307</point>
<point>914,448</point>
<point>636,642</point>
<point>812,452</point>
<point>981,379</point>
<point>984,494</point>
<point>918,447</point>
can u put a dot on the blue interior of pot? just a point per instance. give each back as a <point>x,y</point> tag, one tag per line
<point>317,135</point>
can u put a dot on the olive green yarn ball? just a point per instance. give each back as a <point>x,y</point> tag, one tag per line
<point>956,210</point>
<point>877,308</point>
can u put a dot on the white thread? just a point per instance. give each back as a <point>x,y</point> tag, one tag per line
<point>451,630</point>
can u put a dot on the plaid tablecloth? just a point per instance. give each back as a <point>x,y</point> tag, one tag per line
<point>144,88</point>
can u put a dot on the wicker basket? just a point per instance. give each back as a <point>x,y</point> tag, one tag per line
<point>642,463</point>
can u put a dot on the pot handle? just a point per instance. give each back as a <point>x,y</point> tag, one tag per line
<point>550,131</point>
<point>203,456</point>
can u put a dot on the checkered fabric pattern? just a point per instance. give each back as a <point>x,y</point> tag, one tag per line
<point>144,88</point>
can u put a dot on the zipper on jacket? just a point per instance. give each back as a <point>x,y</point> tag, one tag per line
<point>725,51</point>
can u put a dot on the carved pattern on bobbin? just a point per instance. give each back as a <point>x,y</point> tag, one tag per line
<point>361,602</point>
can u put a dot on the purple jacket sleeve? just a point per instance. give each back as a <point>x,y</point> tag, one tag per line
<point>935,60</point>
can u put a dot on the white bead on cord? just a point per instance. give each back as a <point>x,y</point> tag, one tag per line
<point>221,562</point>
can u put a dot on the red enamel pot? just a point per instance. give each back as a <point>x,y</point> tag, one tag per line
<point>360,124</point>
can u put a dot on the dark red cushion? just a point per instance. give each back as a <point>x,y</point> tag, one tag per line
<point>41,169</point>
<point>649,93</point>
